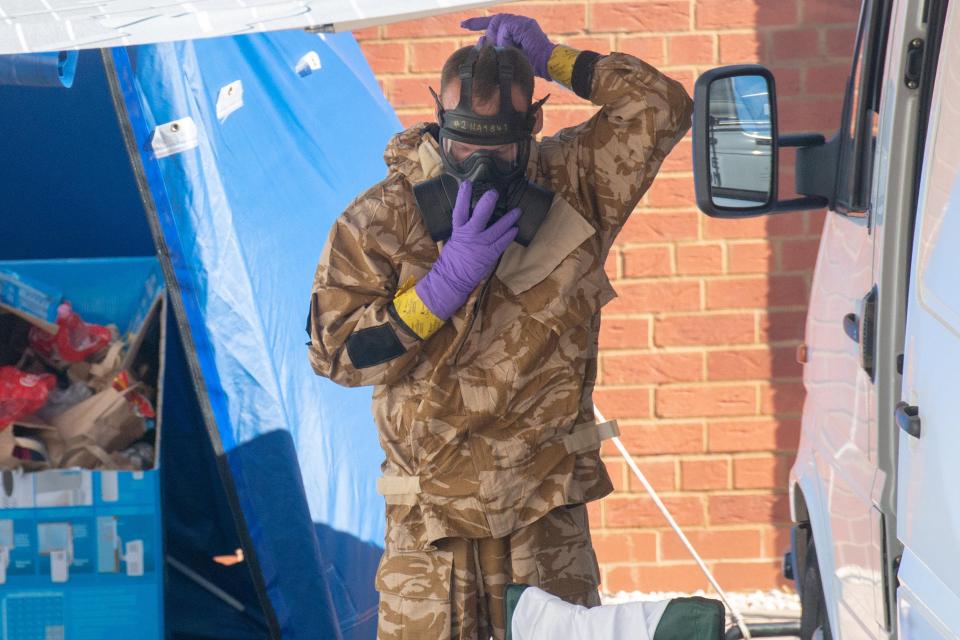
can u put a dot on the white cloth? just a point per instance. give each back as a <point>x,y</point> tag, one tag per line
<point>541,616</point>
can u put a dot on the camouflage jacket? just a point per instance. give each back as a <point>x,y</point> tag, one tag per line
<point>488,423</point>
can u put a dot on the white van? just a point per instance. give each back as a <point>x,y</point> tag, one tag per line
<point>875,488</point>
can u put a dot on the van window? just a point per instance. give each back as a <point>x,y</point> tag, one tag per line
<point>939,237</point>
<point>861,109</point>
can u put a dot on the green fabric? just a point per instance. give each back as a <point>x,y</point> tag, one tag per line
<point>692,619</point>
<point>511,596</point>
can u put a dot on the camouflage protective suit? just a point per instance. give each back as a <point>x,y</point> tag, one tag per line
<point>487,424</point>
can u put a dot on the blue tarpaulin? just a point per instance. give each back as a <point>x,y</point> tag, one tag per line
<point>238,211</point>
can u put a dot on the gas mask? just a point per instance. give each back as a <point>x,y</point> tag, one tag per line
<point>489,151</point>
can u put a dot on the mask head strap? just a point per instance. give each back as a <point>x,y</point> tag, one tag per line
<point>465,72</point>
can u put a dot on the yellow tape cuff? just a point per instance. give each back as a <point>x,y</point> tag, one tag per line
<point>560,64</point>
<point>415,313</point>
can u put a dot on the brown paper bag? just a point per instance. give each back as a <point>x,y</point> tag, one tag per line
<point>26,436</point>
<point>7,443</point>
<point>101,424</point>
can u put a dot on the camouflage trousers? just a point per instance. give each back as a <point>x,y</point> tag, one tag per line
<point>455,591</point>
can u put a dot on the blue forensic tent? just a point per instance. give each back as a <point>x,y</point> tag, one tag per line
<point>229,158</point>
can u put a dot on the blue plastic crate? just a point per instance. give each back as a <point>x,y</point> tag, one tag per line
<point>84,549</point>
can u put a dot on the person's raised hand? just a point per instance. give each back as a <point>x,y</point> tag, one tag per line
<point>470,254</point>
<point>508,30</point>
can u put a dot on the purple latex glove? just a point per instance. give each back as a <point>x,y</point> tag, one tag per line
<point>469,255</point>
<point>508,30</point>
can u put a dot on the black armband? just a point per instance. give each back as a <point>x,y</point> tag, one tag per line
<point>582,79</point>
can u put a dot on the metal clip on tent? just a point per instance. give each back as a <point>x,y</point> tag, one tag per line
<point>741,628</point>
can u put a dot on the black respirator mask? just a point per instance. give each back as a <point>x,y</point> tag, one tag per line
<point>502,167</point>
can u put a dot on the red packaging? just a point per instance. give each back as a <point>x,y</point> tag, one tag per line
<point>22,394</point>
<point>141,404</point>
<point>75,340</point>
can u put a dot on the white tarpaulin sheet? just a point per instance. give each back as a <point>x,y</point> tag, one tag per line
<point>54,25</point>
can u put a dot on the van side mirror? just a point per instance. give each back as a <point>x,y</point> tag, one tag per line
<point>736,144</point>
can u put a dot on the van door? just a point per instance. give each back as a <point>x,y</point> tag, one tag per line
<point>928,504</point>
<point>837,466</point>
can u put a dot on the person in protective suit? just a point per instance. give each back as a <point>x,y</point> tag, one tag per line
<point>467,287</point>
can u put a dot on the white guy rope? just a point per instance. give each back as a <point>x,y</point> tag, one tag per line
<point>673,525</point>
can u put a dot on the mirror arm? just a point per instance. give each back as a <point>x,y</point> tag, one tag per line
<point>817,167</point>
<point>801,140</point>
<point>799,204</point>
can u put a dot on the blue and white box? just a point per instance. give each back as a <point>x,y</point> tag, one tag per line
<point>81,551</point>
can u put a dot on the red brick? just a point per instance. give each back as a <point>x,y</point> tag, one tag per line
<point>617,470</point>
<point>691,49</point>
<point>662,437</point>
<point>773,291</point>
<point>661,474</point>
<point>623,404</point>
<point>704,473</point>
<point>600,44</point>
<point>782,398</point>
<point>808,114</point>
<point>385,57</point>
<point>761,472</point>
<point>730,14</point>
<point>409,92</point>
<point>639,511</point>
<point>776,540</point>
<point>555,18</point>
<point>680,158</point>
<point>669,191</point>
<point>681,577</point>
<point>794,44</point>
<point>753,364</point>
<point>787,224</point>
<point>369,33</point>
<point>751,575</point>
<point>558,117</point>
<point>840,41</point>
<point>715,400</point>
<point>558,95</point>
<point>739,48</point>
<point>699,259</point>
<point>765,434</point>
<point>650,49</point>
<point>595,514</point>
<point>727,328</point>
<point>624,333</point>
<point>431,26</point>
<point>788,84</point>
<point>652,368</point>
<point>782,326</point>
<point>410,119</point>
<point>748,509</point>
<point>612,264</point>
<point>712,544</point>
<point>430,56</point>
<point>639,262</point>
<point>643,17</point>
<point>624,546</point>
<point>799,255</point>
<point>685,78</point>
<point>752,257</point>
<point>646,226</point>
<point>829,80</point>
<point>830,12</point>
<point>655,295</point>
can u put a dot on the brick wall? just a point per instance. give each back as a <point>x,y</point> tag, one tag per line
<point>698,351</point>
